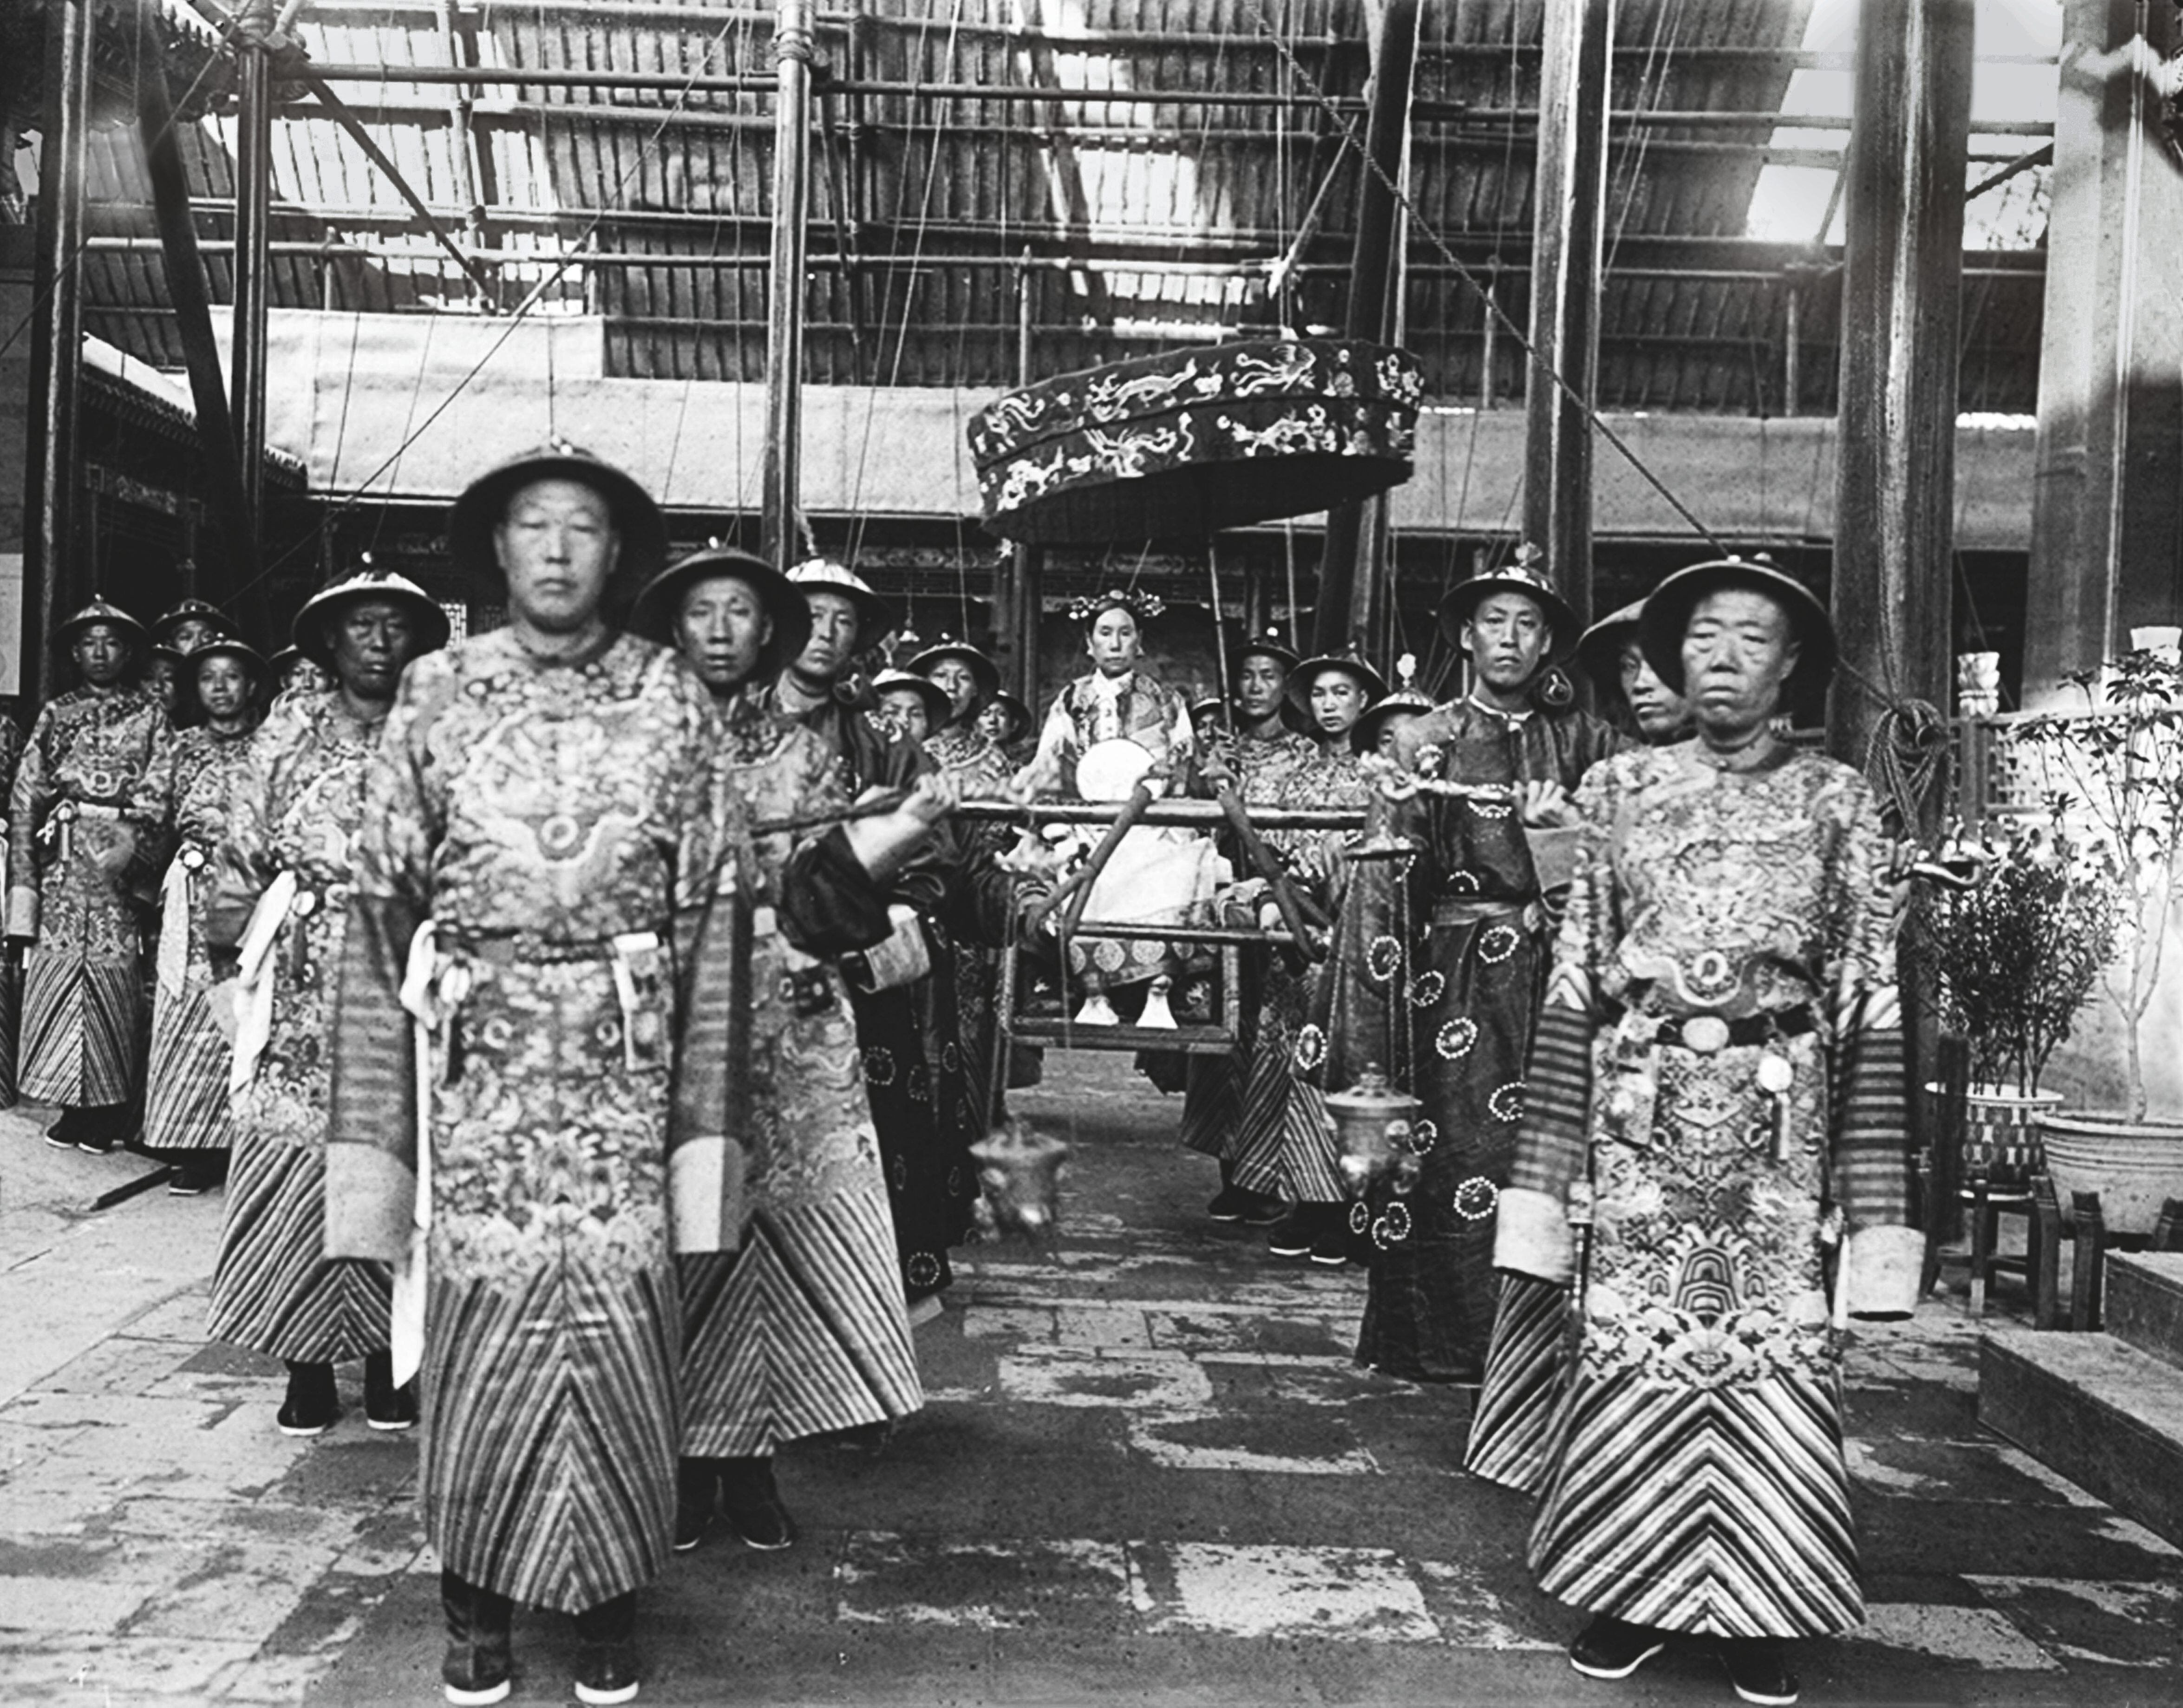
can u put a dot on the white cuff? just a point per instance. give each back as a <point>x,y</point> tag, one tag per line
<point>1532,1236</point>
<point>705,1195</point>
<point>1885,1266</point>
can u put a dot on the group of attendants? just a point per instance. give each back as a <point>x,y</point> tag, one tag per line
<point>594,1075</point>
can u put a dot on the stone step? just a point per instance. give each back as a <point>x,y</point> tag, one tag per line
<point>2144,1306</point>
<point>2106,1415</point>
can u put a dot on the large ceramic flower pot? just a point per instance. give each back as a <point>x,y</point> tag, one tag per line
<point>2001,1132</point>
<point>2134,1166</point>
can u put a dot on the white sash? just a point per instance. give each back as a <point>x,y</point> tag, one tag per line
<point>173,954</point>
<point>253,990</point>
<point>428,997</point>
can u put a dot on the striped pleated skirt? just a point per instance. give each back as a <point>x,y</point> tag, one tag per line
<point>801,1332</point>
<point>1284,1145</point>
<point>186,1105</point>
<point>550,1431</point>
<point>1526,1375</point>
<point>1722,1511</point>
<point>274,1289</point>
<point>79,1025</point>
<point>1696,1480</point>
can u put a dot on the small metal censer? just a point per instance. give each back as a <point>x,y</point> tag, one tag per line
<point>1372,1122</point>
<point>1020,1173</point>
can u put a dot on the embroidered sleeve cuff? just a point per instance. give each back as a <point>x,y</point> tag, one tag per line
<point>1885,1265</point>
<point>1532,1236</point>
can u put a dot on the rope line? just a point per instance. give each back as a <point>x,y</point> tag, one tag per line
<point>567,258</point>
<point>1455,264</point>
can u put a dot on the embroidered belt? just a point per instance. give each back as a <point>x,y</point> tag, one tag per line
<point>640,962</point>
<point>1706,1033</point>
<point>53,835</point>
<point>1452,910</point>
<point>518,949</point>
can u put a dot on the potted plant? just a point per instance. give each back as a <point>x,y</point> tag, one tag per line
<point>2009,964</point>
<point>2114,776</point>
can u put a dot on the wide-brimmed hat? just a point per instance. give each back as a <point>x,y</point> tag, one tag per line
<point>1667,615</point>
<point>661,602</point>
<point>189,611</point>
<point>875,617</point>
<point>308,632</point>
<point>1364,734</point>
<point>1207,709</point>
<point>158,652</point>
<point>101,611</point>
<point>227,646</point>
<point>1599,648</point>
<point>1526,574</point>
<point>938,707</point>
<point>1019,713</point>
<point>1264,645</point>
<point>985,673</point>
<point>1301,678</point>
<point>484,503</point>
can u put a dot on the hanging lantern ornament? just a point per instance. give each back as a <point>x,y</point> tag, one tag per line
<point>1372,1125</point>
<point>1019,1170</point>
<point>1183,444</point>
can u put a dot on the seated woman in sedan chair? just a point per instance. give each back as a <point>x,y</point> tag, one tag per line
<point>1107,731</point>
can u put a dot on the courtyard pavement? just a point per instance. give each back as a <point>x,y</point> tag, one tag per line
<point>1147,1472</point>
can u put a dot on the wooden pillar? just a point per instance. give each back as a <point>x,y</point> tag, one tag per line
<point>253,255</point>
<point>235,566</point>
<point>53,571</point>
<point>2106,517</point>
<point>1349,607</point>
<point>784,350</point>
<point>1568,230</point>
<point>1902,290</point>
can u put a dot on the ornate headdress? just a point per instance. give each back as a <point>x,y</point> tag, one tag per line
<point>1144,607</point>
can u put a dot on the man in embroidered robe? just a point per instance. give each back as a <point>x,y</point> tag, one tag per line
<point>905,1007</point>
<point>546,797</point>
<point>803,1329</point>
<point>81,848</point>
<point>1261,760</point>
<point>276,898</point>
<point>186,1105</point>
<point>1718,1078</point>
<point>1440,959</point>
<point>1527,1365</point>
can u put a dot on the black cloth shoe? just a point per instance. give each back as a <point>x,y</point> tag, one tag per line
<point>1263,1209</point>
<point>753,1505</point>
<point>61,1134</point>
<point>1611,1648</point>
<point>606,1651</point>
<point>98,1132</point>
<point>1330,1245</point>
<point>478,1668</point>
<point>1759,1667</point>
<point>386,1406</point>
<point>697,1489</point>
<point>1291,1236</point>
<point>191,1178</point>
<point>1230,1203</point>
<point>312,1401</point>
